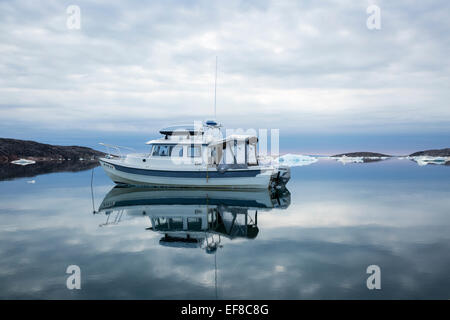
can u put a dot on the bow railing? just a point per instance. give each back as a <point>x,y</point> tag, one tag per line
<point>117,148</point>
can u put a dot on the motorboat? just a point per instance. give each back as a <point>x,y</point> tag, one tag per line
<point>196,156</point>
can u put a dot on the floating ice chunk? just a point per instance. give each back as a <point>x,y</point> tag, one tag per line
<point>23,162</point>
<point>266,160</point>
<point>424,160</point>
<point>344,159</point>
<point>279,268</point>
<point>296,160</point>
<point>375,158</point>
<point>31,181</point>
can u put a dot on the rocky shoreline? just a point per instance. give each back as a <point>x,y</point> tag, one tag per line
<point>14,149</point>
<point>39,158</point>
<point>432,153</point>
<point>427,153</point>
<point>432,156</point>
<point>363,154</point>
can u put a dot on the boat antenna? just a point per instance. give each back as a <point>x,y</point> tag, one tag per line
<point>215,93</point>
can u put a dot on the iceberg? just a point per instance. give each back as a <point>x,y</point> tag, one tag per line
<point>266,160</point>
<point>344,159</point>
<point>295,160</point>
<point>360,159</point>
<point>23,162</point>
<point>424,160</point>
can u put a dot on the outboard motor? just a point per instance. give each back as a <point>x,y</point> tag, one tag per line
<point>281,197</point>
<point>281,176</point>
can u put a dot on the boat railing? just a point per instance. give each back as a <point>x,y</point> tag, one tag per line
<point>117,148</point>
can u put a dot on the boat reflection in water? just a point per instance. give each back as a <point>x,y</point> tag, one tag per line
<point>194,218</point>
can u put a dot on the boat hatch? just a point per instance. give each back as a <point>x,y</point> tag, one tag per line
<point>181,130</point>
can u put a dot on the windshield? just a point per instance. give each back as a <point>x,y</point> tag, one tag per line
<point>162,150</point>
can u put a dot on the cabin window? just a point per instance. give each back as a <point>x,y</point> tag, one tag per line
<point>194,224</point>
<point>194,151</point>
<point>151,149</point>
<point>176,223</point>
<point>177,151</point>
<point>164,151</point>
<point>161,150</point>
<point>155,151</point>
<point>161,224</point>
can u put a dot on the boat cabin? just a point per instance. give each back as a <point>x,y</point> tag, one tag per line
<point>204,146</point>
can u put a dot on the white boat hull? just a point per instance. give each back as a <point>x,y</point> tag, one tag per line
<point>234,179</point>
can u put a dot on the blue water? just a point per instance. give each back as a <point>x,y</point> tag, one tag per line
<point>336,222</point>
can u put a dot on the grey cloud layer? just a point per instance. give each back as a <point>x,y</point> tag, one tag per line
<point>303,66</point>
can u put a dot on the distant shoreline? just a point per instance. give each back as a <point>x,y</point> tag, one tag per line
<point>14,149</point>
<point>432,156</point>
<point>428,153</point>
<point>362,154</point>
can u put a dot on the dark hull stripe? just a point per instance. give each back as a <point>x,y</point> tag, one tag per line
<point>183,201</point>
<point>187,174</point>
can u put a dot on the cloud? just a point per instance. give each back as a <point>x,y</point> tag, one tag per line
<point>303,67</point>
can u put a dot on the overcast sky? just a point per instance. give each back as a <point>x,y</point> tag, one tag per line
<point>301,66</point>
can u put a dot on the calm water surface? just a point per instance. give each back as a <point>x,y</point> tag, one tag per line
<point>313,242</point>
